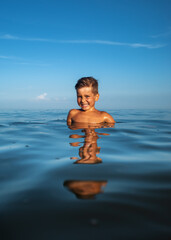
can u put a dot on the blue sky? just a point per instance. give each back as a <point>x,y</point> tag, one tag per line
<point>47,45</point>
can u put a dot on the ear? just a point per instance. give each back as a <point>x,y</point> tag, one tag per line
<point>97,97</point>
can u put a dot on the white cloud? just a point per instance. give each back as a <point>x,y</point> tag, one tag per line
<point>34,64</point>
<point>141,45</point>
<point>42,97</point>
<point>11,37</point>
<point>163,34</point>
<point>9,57</point>
<point>102,42</point>
<point>19,60</point>
<point>8,36</point>
<point>133,45</point>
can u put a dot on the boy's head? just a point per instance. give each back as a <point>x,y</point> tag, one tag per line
<point>87,93</point>
<point>88,82</point>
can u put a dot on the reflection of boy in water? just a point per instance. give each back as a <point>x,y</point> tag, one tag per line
<point>89,150</point>
<point>87,95</point>
<point>85,189</point>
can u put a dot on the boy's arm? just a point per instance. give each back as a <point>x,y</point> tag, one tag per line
<point>70,116</point>
<point>108,118</point>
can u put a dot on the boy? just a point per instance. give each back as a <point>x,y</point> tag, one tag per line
<point>87,95</point>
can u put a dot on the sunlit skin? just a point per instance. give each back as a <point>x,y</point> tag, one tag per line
<point>81,125</point>
<point>85,189</point>
<point>86,99</point>
<point>89,149</point>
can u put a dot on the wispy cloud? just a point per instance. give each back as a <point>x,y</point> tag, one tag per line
<point>8,36</point>
<point>11,37</point>
<point>33,64</point>
<point>42,97</point>
<point>163,34</point>
<point>133,45</point>
<point>100,42</point>
<point>21,61</point>
<point>9,57</point>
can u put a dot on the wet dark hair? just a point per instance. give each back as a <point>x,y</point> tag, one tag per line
<point>87,82</point>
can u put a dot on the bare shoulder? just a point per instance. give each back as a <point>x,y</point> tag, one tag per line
<point>107,117</point>
<point>73,111</point>
<point>71,114</point>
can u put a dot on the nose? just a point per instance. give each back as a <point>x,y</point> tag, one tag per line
<point>83,99</point>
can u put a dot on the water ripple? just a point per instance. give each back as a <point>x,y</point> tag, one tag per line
<point>127,196</point>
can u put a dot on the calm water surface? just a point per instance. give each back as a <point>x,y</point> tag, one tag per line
<point>85,183</point>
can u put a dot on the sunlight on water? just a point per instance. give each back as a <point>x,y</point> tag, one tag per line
<point>108,182</point>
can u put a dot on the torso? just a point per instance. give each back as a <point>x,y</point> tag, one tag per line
<point>88,117</point>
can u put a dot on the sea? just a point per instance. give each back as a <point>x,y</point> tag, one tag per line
<point>96,182</point>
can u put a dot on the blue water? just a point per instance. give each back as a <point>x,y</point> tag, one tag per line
<point>59,183</point>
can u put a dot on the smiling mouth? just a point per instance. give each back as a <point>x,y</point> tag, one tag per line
<point>84,105</point>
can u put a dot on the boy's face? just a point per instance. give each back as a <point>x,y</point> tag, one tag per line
<point>86,98</point>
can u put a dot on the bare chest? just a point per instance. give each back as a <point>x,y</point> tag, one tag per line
<point>87,117</point>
